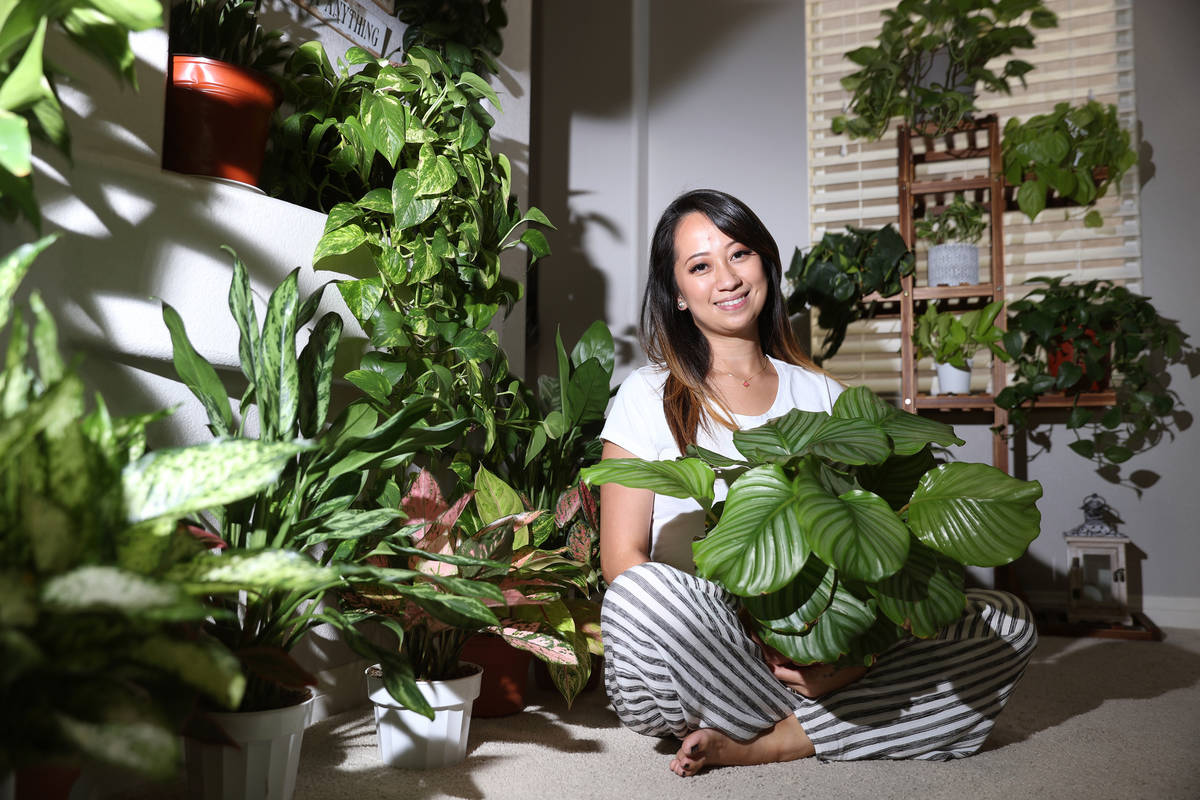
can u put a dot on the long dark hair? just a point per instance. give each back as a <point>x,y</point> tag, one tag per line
<point>670,336</point>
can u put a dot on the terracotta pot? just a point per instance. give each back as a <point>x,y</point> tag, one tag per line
<point>45,782</point>
<point>1064,353</point>
<point>505,675</point>
<point>217,119</point>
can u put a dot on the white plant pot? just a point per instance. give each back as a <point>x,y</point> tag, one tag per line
<point>952,380</point>
<point>263,767</point>
<point>953,264</point>
<point>407,739</point>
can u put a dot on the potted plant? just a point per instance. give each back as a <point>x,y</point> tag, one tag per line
<point>530,609</point>
<point>953,233</point>
<point>104,654</point>
<point>840,271</point>
<point>1074,152</point>
<point>929,57</point>
<point>839,535</point>
<point>953,339</point>
<point>288,551</point>
<point>1075,338</point>
<point>220,97</point>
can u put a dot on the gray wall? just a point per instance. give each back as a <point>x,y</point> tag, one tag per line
<point>635,101</point>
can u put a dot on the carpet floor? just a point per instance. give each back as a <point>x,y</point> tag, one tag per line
<point>1093,718</point>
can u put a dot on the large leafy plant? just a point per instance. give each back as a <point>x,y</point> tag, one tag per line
<point>529,594</point>
<point>1077,153</point>
<point>103,652</point>
<point>840,271</point>
<point>1071,338</point>
<point>29,106</point>
<point>929,57</point>
<point>839,534</point>
<point>295,545</point>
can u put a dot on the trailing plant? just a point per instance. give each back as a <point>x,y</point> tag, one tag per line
<point>1070,337</point>
<point>229,31</point>
<point>954,338</point>
<point>533,606</point>
<point>29,106</point>
<point>929,57</point>
<point>1076,152</point>
<point>839,535</point>
<point>103,653</point>
<point>960,221</point>
<point>292,547</point>
<point>840,271</point>
<point>465,32</point>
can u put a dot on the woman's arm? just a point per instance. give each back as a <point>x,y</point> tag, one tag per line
<point>625,516</point>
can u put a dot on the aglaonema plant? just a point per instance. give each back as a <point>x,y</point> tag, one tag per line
<point>484,537</point>
<point>839,534</point>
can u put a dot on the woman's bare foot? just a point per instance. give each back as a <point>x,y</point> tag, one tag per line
<point>707,747</point>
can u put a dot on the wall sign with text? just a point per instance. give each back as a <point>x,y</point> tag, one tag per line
<point>370,24</point>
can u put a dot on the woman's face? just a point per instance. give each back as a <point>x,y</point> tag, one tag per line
<point>721,281</point>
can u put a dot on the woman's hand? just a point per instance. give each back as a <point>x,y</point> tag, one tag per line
<point>808,680</point>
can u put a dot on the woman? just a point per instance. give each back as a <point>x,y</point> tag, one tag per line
<point>677,660</point>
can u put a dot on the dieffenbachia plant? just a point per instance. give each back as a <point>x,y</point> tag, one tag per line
<point>839,533</point>
<point>102,654</point>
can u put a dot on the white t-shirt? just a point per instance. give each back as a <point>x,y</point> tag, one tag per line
<point>638,423</point>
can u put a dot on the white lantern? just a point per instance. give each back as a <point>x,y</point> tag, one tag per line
<point>1096,555</point>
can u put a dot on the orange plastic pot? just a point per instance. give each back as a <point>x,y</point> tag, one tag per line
<point>505,675</point>
<point>217,119</point>
<point>1064,353</point>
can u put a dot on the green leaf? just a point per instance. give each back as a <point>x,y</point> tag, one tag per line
<point>857,532</point>
<point>795,607</point>
<point>371,383</point>
<point>384,120</point>
<point>759,545</point>
<point>16,148</point>
<point>596,342</point>
<point>93,589</point>
<point>494,498</point>
<point>278,386</point>
<point>435,174</point>
<point>1031,198</point>
<point>204,663</point>
<point>177,481</point>
<point>975,513</point>
<point>851,441</point>
<point>925,595</point>
<point>339,242</point>
<point>198,375</point>
<point>241,305</point>
<point>481,86</point>
<point>409,210</point>
<point>315,369</point>
<point>13,268</point>
<point>833,635</point>
<point>686,478</point>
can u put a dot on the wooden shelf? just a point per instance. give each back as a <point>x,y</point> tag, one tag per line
<point>1085,399</point>
<point>967,291</point>
<point>949,186</point>
<point>955,402</point>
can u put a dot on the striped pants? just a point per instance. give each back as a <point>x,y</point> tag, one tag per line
<point>676,659</point>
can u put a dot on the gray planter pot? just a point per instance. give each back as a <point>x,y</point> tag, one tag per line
<point>953,264</point>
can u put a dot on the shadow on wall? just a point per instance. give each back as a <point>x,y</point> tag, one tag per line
<point>583,74</point>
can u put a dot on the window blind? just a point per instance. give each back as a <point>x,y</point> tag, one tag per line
<point>853,182</point>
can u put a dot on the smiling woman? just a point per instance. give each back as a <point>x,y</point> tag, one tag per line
<point>678,659</point>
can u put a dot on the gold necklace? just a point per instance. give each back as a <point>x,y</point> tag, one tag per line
<point>746,381</point>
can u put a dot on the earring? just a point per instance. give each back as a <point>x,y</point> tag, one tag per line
<point>681,305</point>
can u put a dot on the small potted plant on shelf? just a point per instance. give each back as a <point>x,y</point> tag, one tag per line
<point>952,340</point>
<point>1080,338</point>
<point>953,233</point>
<point>929,57</point>
<point>1076,153</point>
<point>483,537</point>
<point>220,95</point>
<point>839,535</point>
<point>840,271</point>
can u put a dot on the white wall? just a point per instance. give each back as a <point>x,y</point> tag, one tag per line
<point>639,100</point>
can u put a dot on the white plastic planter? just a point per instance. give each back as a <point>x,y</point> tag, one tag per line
<point>953,264</point>
<point>264,766</point>
<point>952,380</point>
<point>407,739</point>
